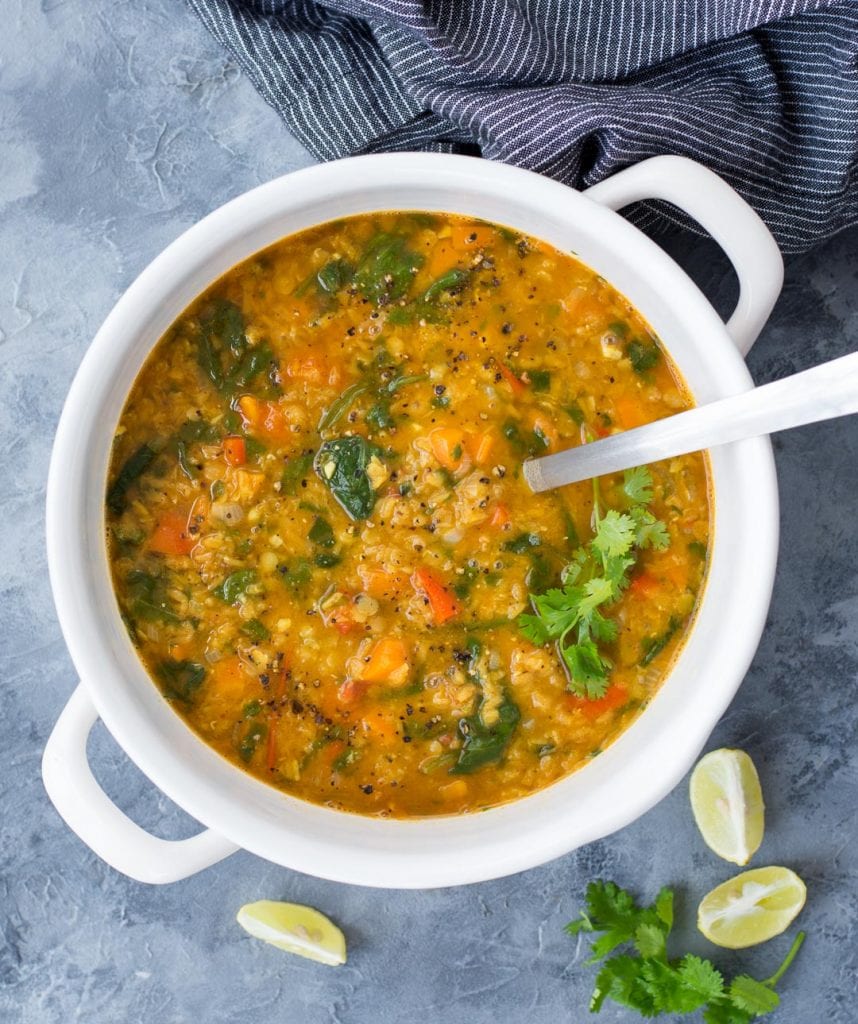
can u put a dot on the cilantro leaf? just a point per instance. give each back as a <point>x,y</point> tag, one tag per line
<point>648,980</point>
<point>637,484</point>
<point>749,994</point>
<point>615,534</point>
<point>649,531</point>
<point>596,576</point>
<point>589,670</point>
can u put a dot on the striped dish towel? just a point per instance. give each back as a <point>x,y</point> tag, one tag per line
<point>765,92</point>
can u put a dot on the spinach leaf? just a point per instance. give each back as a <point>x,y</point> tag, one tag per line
<point>197,430</point>
<point>340,406</point>
<point>180,679</point>
<point>483,743</point>
<point>530,444</point>
<point>254,629</point>
<point>235,585</point>
<point>540,380</point>
<point>430,305</point>
<point>386,269</point>
<point>256,733</point>
<point>295,470</point>
<point>341,466</point>
<point>148,594</point>
<point>522,544</point>
<point>574,412</point>
<point>321,533</point>
<point>379,416</point>
<point>334,276</point>
<point>296,576</point>
<point>223,352</point>
<point>652,646</point>
<point>132,469</point>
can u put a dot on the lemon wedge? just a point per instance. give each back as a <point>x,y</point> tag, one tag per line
<point>753,907</point>
<point>295,928</point>
<point>728,804</point>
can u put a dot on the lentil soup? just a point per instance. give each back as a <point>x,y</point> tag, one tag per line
<point>324,549</point>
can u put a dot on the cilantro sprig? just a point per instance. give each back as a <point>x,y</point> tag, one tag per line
<point>647,980</point>
<point>573,616</point>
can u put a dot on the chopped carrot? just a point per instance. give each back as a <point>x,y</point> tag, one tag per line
<point>312,368</point>
<point>479,446</point>
<point>514,382</point>
<point>382,725</point>
<point>628,413</point>
<point>229,679</point>
<point>264,417</point>
<point>644,584</point>
<point>500,516</point>
<point>235,451</point>
<point>615,697</point>
<point>447,446</point>
<point>378,583</point>
<point>171,535</point>
<point>387,661</point>
<point>441,601</point>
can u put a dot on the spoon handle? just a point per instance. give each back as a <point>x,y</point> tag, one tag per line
<point>821,393</point>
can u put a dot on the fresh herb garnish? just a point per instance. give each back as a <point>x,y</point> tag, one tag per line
<point>574,616</point>
<point>647,980</point>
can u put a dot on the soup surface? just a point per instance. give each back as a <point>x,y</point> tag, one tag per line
<point>322,543</point>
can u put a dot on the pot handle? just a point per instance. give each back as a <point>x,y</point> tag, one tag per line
<point>739,231</point>
<point>92,815</point>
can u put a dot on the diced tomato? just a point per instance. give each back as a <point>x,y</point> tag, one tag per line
<point>644,584</point>
<point>235,451</point>
<point>500,516</point>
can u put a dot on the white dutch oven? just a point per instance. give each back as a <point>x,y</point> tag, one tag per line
<point>614,789</point>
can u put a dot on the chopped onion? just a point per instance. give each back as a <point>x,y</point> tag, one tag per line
<point>227,512</point>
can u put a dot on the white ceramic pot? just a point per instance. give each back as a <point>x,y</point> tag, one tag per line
<point>635,772</point>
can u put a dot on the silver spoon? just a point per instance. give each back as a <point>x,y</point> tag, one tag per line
<point>821,393</point>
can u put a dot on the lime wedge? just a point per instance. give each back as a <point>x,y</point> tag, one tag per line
<point>728,804</point>
<point>295,928</point>
<point>753,907</point>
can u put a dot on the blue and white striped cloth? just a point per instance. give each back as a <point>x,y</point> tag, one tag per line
<point>765,92</point>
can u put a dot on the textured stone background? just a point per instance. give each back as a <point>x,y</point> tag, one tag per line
<point>121,124</point>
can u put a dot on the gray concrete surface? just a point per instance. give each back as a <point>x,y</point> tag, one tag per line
<point>120,125</point>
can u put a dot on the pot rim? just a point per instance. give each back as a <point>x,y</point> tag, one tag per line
<point>392,852</point>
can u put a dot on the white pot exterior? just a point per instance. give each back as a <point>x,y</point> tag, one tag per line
<point>640,768</point>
